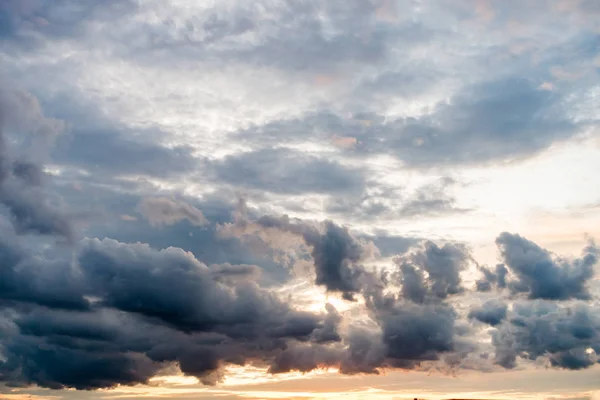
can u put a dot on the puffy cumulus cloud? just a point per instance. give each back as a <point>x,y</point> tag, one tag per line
<point>432,271</point>
<point>543,275</point>
<point>414,333</point>
<point>417,323</point>
<point>568,336</point>
<point>167,211</point>
<point>492,312</point>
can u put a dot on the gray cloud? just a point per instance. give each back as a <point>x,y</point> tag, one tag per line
<point>442,266</point>
<point>499,119</point>
<point>32,208</point>
<point>107,312</point>
<point>431,199</point>
<point>110,206</point>
<point>155,296</point>
<point>179,290</point>
<point>295,36</point>
<point>336,254</point>
<point>380,202</point>
<point>496,278</point>
<point>75,133</point>
<point>287,171</point>
<point>563,334</point>
<point>168,211</point>
<point>542,275</point>
<point>414,333</point>
<point>30,23</point>
<point>115,151</point>
<point>29,279</point>
<point>491,312</point>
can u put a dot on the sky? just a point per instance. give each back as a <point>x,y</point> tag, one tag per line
<point>341,199</point>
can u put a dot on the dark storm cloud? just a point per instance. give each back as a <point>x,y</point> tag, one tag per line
<point>173,286</point>
<point>336,254</point>
<point>543,275</point>
<point>432,271</point>
<point>151,298</point>
<point>414,333</point>
<point>89,350</point>
<point>304,358</point>
<point>27,278</point>
<point>542,328</point>
<point>287,171</point>
<point>499,119</point>
<point>491,312</point>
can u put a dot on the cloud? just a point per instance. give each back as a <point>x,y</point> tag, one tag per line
<point>287,171</point>
<point>297,37</point>
<point>431,199</point>
<point>29,22</point>
<point>28,279</point>
<point>162,306</point>
<point>491,312</point>
<point>542,275</point>
<point>333,105</point>
<point>166,211</point>
<point>32,208</point>
<point>174,287</point>
<point>490,278</point>
<point>116,151</point>
<point>493,120</point>
<point>432,270</point>
<point>336,254</point>
<point>414,333</point>
<point>562,333</point>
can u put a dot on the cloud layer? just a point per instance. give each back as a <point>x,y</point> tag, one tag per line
<point>288,186</point>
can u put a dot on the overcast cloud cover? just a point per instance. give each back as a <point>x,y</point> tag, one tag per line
<point>212,189</point>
